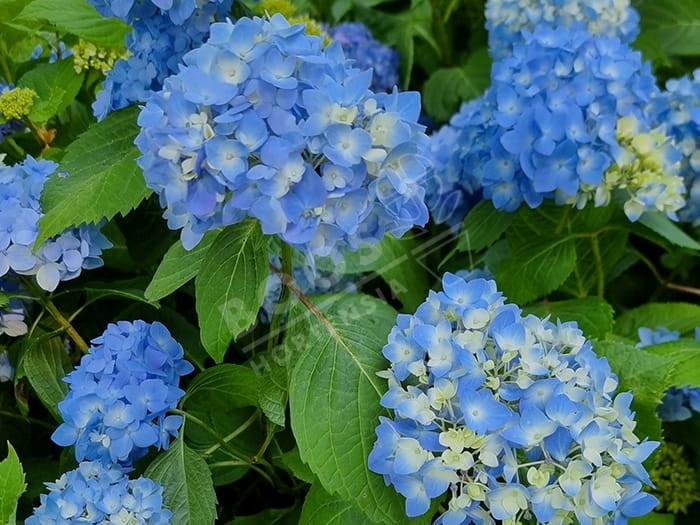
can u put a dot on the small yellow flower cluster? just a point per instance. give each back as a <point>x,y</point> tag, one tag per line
<point>289,11</point>
<point>674,478</point>
<point>87,55</point>
<point>16,103</point>
<point>283,7</point>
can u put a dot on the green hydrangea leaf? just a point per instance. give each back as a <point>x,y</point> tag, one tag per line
<point>97,178</point>
<point>230,285</point>
<point>11,486</point>
<point>334,397</point>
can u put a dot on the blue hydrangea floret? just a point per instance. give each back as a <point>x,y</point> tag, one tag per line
<point>121,392</point>
<point>58,259</point>
<point>505,19</point>
<point>505,416</point>
<point>263,121</point>
<point>95,493</point>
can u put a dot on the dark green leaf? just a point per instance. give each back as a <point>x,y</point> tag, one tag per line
<point>103,178</point>
<point>320,508</point>
<point>593,314</point>
<point>231,285</point>
<point>585,277</point>
<point>292,460</point>
<point>482,227</point>
<point>400,262</point>
<point>683,317</point>
<point>536,268</point>
<point>274,392</point>
<point>673,24</point>
<point>188,490</point>
<point>79,18</point>
<point>45,362</point>
<point>11,486</point>
<point>56,85</point>
<point>233,385</point>
<point>177,267</point>
<point>654,518</point>
<point>334,397</point>
<point>447,88</point>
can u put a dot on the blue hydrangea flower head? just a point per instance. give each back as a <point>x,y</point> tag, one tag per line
<point>566,118</point>
<point>505,416</point>
<point>120,393</point>
<point>12,313</point>
<point>678,108</point>
<point>264,121</point>
<point>162,32</point>
<point>58,259</point>
<point>678,403</point>
<point>99,494</point>
<point>505,19</point>
<point>359,45</point>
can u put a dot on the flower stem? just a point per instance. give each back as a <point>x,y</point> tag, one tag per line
<point>238,457</point>
<point>48,304</point>
<point>283,304</point>
<point>246,424</point>
<point>599,270</point>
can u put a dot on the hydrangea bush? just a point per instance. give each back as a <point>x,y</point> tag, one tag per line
<point>255,254</point>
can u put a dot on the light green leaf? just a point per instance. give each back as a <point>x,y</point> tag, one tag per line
<point>103,178</point>
<point>334,397</point>
<point>231,285</point>
<point>320,508</point>
<point>45,362</point>
<point>593,314</point>
<point>232,385</point>
<point>177,267</point>
<point>536,268</point>
<point>659,223</point>
<point>447,88</point>
<point>645,375</point>
<point>56,85</point>
<point>673,24</point>
<point>78,18</point>
<point>482,226</point>
<point>188,490</point>
<point>685,355</point>
<point>683,317</point>
<point>11,486</point>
